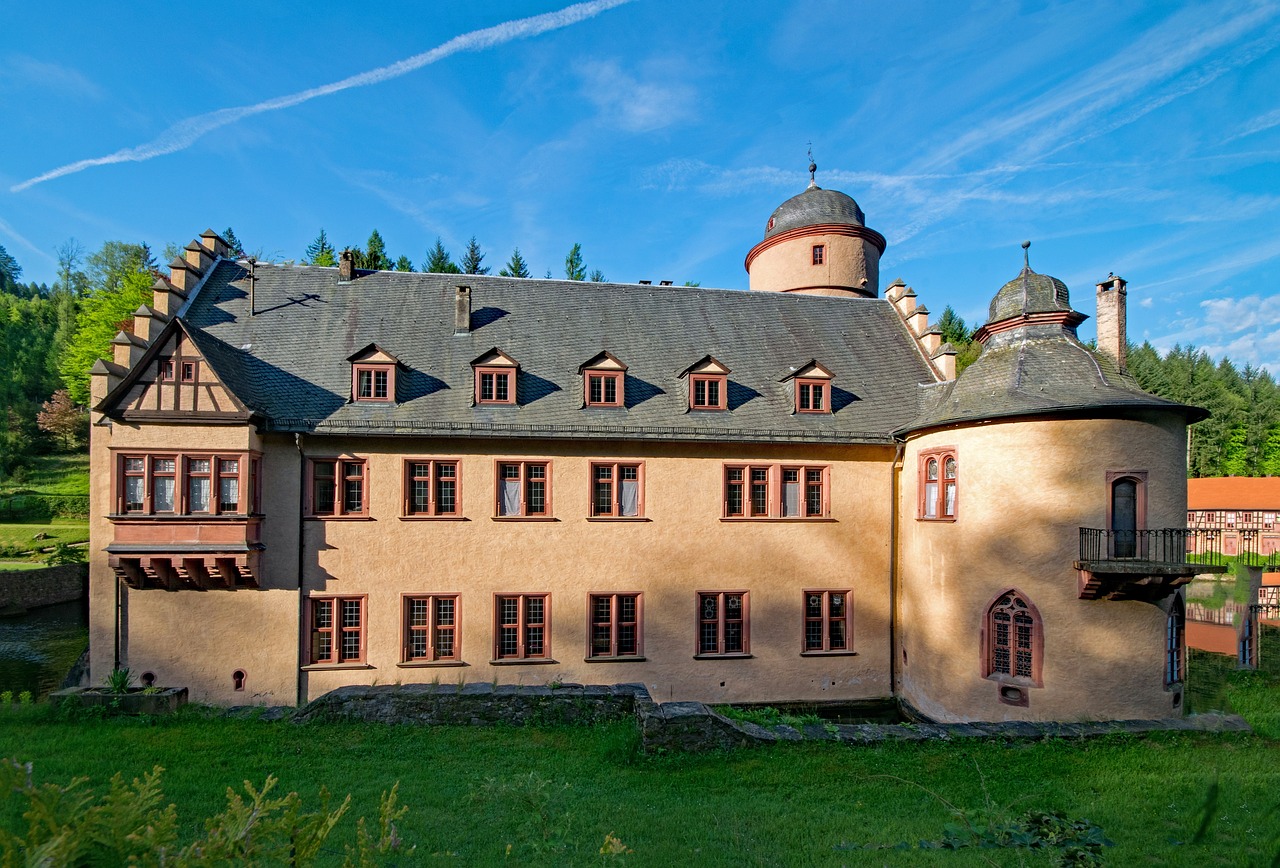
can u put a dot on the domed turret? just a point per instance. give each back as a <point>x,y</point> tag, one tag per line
<point>817,243</point>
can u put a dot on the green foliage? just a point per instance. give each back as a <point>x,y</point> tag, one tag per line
<point>43,507</point>
<point>26,698</point>
<point>767,716</point>
<point>107,311</point>
<point>403,263</point>
<point>63,419</point>
<point>538,804</point>
<point>65,554</point>
<point>596,276</point>
<point>321,252</point>
<point>6,697</point>
<point>375,253</point>
<point>472,259</point>
<point>953,328</point>
<point>10,270</point>
<point>516,266</point>
<point>118,680</point>
<point>574,269</point>
<point>438,261</point>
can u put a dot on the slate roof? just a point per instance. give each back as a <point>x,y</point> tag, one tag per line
<point>288,361</point>
<point>814,206</point>
<point>1028,293</point>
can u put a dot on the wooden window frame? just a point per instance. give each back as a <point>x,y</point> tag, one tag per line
<point>432,630</point>
<point>989,647</point>
<point>524,514</point>
<point>388,370</point>
<point>168,370</point>
<point>941,456</point>
<point>521,626</point>
<point>433,480</point>
<point>771,479</point>
<point>615,468</point>
<point>496,371</point>
<point>211,475</point>
<point>614,623</point>
<point>721,382</point>
<point>819,254</point>
<point>1140,478</point>
<point>340,464</point>
<point>826,620</point>
<point>618,378</point>
<point>721,620</point>
<point>191,367</point>
<point>806,388</point>
<point>1175,645</point>
<point>336,630</point>
<point>176,475</point>
<point>181,475</point>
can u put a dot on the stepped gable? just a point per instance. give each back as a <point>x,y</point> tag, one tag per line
<point>290,358</point>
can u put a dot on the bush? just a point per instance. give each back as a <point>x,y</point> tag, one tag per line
<point>31,506</point>
<point>65,554</point>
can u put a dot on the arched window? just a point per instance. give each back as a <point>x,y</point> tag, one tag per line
<point>939,475</point>
<point>1013,641</point>
<point>1174,642</point>
<point>1126,512</point>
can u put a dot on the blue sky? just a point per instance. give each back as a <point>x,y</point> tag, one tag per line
<point>1128,137</point>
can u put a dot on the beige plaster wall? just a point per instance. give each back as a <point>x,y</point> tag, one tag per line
<point>683,548</point>
<point>788,266</point>
<point>1026,487</point>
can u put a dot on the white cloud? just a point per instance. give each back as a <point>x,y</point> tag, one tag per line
<point>1258,124</point>
<point>636,104</point>
<point>20,72</point>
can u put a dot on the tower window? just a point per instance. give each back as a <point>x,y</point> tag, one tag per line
<point>1013,642</point>
<point>819,254</point>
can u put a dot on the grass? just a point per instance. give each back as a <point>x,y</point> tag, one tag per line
<point>51,474</point>
<point>67,530</point>
<point>553,794</point>
<point>19,566</point>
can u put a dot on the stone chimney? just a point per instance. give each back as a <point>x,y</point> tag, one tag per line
<point>1112,337</point>
<point>147,322</point>
<point>214,243</point>
<point>126,349</point>
<point>462,311</point>
<point>944,359</point>
<point>346,267</point>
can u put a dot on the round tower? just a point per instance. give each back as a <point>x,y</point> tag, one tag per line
<point>1037,488</point>
<point>817,243</point>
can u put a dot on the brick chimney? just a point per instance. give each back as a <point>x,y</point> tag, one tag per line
<point>462,311</point>
<point>1112,337</point>
<point>346,267</point>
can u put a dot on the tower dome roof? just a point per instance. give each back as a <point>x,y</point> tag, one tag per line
<point>1029,293</point>
<point>815,206</point>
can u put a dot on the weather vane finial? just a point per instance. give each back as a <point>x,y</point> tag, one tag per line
<point>1026,255</point>
<point>813,167</point>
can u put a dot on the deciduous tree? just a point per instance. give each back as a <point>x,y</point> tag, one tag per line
<point>60,417</point>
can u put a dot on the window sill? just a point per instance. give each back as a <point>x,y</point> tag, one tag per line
<point>604,406</point>
<point>322,667</point>
<point>339,518</point>
<point>431,664</point>
<point>523,518</point>
<point>1013,680</point>
<point>524,661</point>
<point>183,516</point>
<point>629,659</point>
<point>781,519</point>
<point>940,519</point>
<point>618,518</point>
<point>708,409</point>
<point>828,653</point>
<point>733,656</point>
<point>434,518</point>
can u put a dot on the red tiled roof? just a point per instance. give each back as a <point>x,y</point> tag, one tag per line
<point>1234,492</point>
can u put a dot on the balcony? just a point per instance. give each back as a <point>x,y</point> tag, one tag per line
<point>196,552</point>
<point>1143,564</point>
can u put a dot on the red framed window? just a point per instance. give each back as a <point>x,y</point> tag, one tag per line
<point>819,254</point>
<point>813,396</point>
<point>521,629</point>
<point>776,491</point>
<point>617,490</point>
<point>188,372</point>
<point>431,629</point>
<point>723,625</point>
<point>337,630</point>
<point>178,484</point>
<point>828,621</point>
<point>199,484</point>
<point>133,487</point>
<point>338,487</point>
<point>604,388</point>
<point>229,484</point>
<point>495,385</point>
<point>164,484</point>
<point>1175,644</point>
<point>1013,640</point>
<point>432,487</point>
<point>524,489</point>
<point>166,369</point>
<point>939,485</point>
<point>614,626</point>
<point>374,383</point>
<point>708,391</point>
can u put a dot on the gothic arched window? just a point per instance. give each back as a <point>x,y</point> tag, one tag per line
<point>1013,641</point>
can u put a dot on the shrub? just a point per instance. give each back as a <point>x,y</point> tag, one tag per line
<point>65,554</point>
<point>118,681</point>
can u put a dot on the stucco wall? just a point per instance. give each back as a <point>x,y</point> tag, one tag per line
<point>1025,488</point>
<point>788,266</point>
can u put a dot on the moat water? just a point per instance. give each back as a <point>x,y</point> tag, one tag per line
<point>38,649</point>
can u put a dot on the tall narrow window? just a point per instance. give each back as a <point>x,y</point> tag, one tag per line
<point>338,487</point>
<point>521,626</point>
<point>524,489</point>
<point>1124,517</point>
<point>819,254</point>
<point>228,485</point>
<point>1174,643</point>
<point>613,625</point>
<point>722,623</point>
<point>616,490</point>
<point>135,484</point>
<point>828,621</point>
<point>431,629</point>
<point>939,480</point>
<point>199,484</point>
<point>337,630</point>
<point>163,484</point>
<point>188,372</point>
<point>431,488</point>
<point>1014,640</point>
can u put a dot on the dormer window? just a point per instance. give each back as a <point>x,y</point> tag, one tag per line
<point>495,378</point>
<point>811,387</point>
<point>604,380</point>
<point>373,376</point>
<point>708,384</point>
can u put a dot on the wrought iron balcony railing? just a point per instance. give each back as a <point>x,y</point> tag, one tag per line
<point>1165,546</point>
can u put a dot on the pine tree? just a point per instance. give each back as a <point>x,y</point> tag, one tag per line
<point>438,260</point>
<point>237,249</point>
<point>596,276</point>
<point>953,328</point>
<point>573,266</point>
<point>403,264</point>
<point>10,270</point>
<point>472,258</point>
<point>516,266</point>
<point>375,253</point>
<point>321,252</point>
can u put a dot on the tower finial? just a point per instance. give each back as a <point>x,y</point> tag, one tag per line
<point>813,167</point>
<point>1026,255</point>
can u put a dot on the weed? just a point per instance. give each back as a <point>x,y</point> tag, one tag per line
<point>540,803</point>
<point>119,680</point>
<point>25,698</point>
<point>768,716</point>
<point>6,697</point>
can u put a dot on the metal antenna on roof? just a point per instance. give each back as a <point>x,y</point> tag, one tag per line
<point>253,282</point>
<point>1026,255</point>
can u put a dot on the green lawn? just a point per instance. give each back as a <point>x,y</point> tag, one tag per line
<point>52,474</point>
<point>18,566</point>
<point>67,530</point>
<point>473,792</point>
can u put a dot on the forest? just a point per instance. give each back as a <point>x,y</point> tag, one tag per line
<point>50,336</point>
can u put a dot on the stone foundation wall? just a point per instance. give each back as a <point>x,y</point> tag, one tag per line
<point>27,589</point>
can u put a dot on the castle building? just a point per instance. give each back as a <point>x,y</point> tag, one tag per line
<point>312,477</point>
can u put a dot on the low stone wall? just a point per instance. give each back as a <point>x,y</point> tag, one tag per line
<point>27,589</point>
<point>693,726</point>
<point>476,704</point>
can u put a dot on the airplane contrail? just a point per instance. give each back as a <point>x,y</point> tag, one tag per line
<point>186,132</point>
